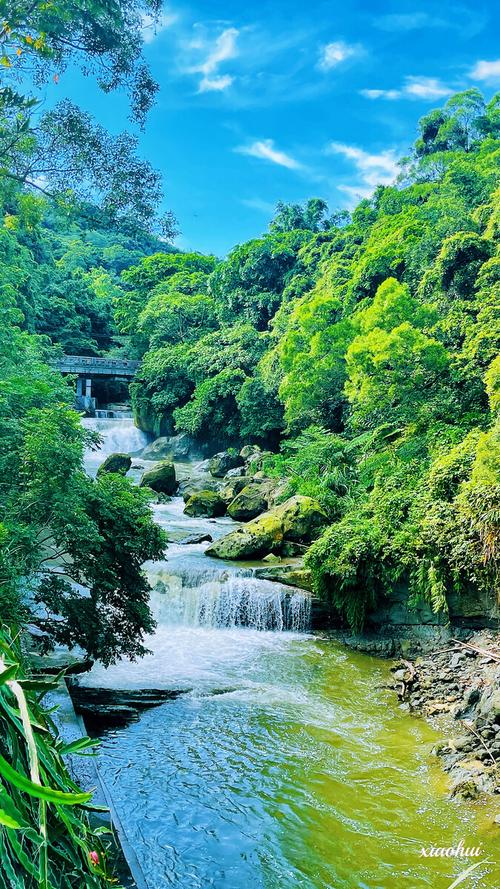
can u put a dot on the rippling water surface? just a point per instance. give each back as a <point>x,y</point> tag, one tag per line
<point>286,764</point>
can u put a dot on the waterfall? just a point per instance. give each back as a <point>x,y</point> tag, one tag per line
<point>191,590</point>
<point>228,599</point>
<point>119,435</point>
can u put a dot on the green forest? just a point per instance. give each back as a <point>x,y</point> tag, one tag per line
<point>359,349</point>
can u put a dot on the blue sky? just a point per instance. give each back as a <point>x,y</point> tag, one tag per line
<point>286,100</point>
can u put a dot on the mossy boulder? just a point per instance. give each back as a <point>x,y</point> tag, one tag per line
<point>302,518</point>
<point>191,486</point>
<point>255,461</point>
<point>255,539</point>
<point>205,503</point>
<point>298,519</point>
<point>120,463</point>
<point>161,478</point>
<point>248,450</point>
<point>248,504</point>
<point>223,462</point>
<point>231,487</point>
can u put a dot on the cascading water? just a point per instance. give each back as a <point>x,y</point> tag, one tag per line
<point>229,600</point>
<point>119,435</point>
<point>286,763</point>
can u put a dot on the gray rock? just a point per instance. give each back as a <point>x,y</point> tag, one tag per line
<point>237,472</point>
<point>176,447</point>
<point>489,705</point>
<point>161,478</point>
<point>248,450</point>
<point>195,538</point>
<point>248,504</point>
<point>223,462</point>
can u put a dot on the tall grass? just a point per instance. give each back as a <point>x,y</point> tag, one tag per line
<point>46,838</point>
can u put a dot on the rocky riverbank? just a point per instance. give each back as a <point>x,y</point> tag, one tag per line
<point>457,687</point>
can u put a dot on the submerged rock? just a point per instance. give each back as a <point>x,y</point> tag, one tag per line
<point>120,463</point>
<point>224,462</point>
<point>161,479</point>
<point>195,538</point>
<point>248,504</point>
<point>108,707</point>
<point>205,504</point>
<point>298,519</point>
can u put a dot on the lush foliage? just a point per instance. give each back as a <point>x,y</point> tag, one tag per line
<point>46,839</point>
<point>58,525</point>
<point>64,153</point>
<point>368,344</point>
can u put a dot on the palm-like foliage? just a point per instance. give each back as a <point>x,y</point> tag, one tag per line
<point>46,839</point>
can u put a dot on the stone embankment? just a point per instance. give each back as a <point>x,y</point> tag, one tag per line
<point>457,687</point>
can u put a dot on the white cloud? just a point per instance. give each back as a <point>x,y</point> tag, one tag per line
<point>215,84</point>
<point>372,169</point>
<point>355,193</point>
<point>223,48</point>
<point>220,50</point>
<point>425,88</point>
<point>381,94</point>
<point>407,21</point>
<point>265,150</point>
<point>486,70</point>
<point>152,27</point>
<point>335,53</point>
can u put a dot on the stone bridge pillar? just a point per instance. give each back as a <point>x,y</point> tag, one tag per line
<point>84,400</point>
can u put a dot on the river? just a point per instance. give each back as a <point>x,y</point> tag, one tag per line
<point>286,764</point>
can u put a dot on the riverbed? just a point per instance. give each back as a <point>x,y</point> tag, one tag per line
<point>286,762</point>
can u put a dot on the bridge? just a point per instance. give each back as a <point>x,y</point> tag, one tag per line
<point>86,368</point>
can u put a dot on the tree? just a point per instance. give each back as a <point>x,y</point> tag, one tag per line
<point>311,216</point>
<point>59,527</point>
<point>158,273</point>
<point>248,284</point>
<point>463,120</point>
<point>64,152</point>
<point>39,39</point>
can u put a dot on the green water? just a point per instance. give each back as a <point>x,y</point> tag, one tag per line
<point>303,773</point>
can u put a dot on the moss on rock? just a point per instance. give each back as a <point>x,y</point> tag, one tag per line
<point>120,463</point>
<point>205,503</point>
<point>161,478</point>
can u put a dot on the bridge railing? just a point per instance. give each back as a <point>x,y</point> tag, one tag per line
<point>80,364</point>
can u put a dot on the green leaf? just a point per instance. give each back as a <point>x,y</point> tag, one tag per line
<point>9,673</point>
<point>79,744</point>
<point>39,791</point>
<point>10,815</point>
